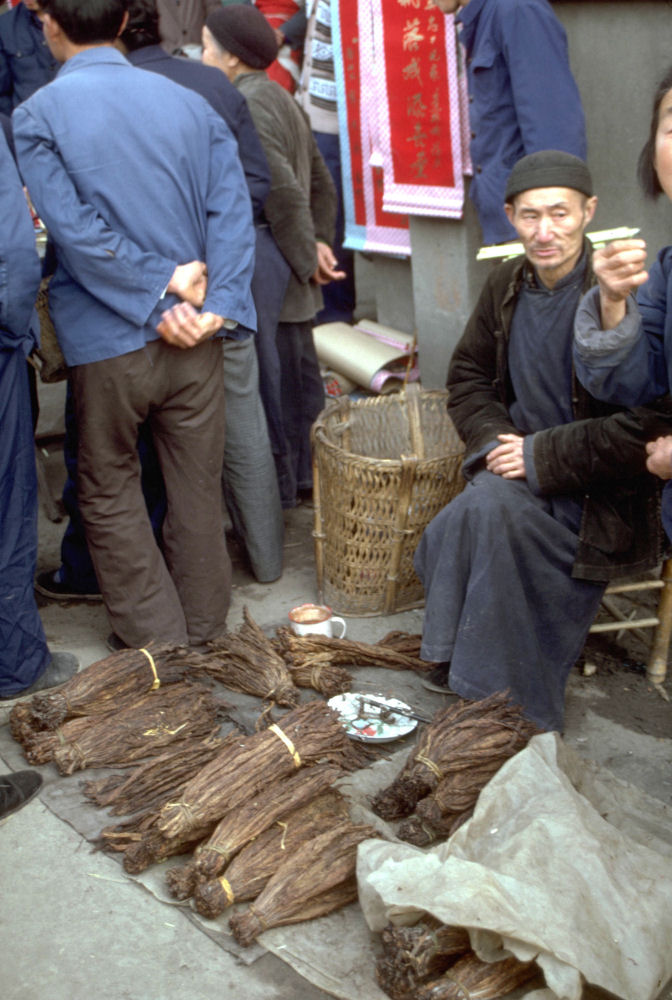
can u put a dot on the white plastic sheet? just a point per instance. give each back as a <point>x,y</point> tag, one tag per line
<point>560,862</point>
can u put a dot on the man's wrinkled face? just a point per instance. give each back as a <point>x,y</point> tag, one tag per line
<point>550,223</point>
<point>450,6</point>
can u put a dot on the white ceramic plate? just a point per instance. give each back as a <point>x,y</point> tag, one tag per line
<point>371,723</point>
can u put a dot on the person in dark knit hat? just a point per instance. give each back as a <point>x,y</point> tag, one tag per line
<point>300,209</point>
<point>558,499</point>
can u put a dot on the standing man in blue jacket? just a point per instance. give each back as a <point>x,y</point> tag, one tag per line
<point>25,60</point>
<point>249,477</point>
<point>141,189</point>
<point>522,96</point>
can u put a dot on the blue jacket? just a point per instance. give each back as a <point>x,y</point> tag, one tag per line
<point>25,60</point>
<point>132,175</point>
<point>228,102</point>
<point>19,263</point>
<point>522,96</point>
<point>631,364</point>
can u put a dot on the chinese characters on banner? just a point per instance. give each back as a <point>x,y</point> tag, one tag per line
<point>402,109</point>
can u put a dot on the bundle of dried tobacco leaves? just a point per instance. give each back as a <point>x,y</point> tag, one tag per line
<point>306,735</point>
<point>325,678</point>
<point>405,643</point>
<point>109,684</point>
<point>246,661</point>
<point>245,877</point>
<point>308,650</point>
<point>414,955</point>
<point>139,730</point>
<point>465,736</point>
<point>143,844</point>
<point>139,837</point>
<point>40,747</point>
<point>317,879</point>
<point>241,825</point>
<point>156,781</point>
<point>415,830</point>
<point>472,979</point>
<point>22,724</point>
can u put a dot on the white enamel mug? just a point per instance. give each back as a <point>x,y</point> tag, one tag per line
<point>315,619</point>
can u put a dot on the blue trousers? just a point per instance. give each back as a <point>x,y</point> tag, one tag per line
<point>501,603</point>
<point>23,647</point>
<point>339,296</point>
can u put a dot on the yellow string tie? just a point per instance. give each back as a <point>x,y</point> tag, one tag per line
<point>257,916</point>
<point>157,681</point>
<point>288,743</point>
<point>430,764</point>
<point>226,886</point>
<point>284,827</point>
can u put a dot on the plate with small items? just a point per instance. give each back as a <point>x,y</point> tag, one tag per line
<point>373,717</point>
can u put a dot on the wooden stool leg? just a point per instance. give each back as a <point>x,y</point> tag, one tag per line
<point>657,668</point>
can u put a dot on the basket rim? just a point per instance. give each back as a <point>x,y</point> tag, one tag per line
<point>344,403</point>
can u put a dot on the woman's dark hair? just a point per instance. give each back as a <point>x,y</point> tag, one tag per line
<point>646,170</point>
<point>87,22</point>
<point>142,28</point>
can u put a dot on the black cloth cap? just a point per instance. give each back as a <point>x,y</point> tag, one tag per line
<point>549,168</point>
<point>242,30</point>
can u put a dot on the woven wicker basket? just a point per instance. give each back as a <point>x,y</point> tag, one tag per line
<point>382,469</point>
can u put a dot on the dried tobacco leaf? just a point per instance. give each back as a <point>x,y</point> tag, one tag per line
<point>413,955</point>
<point>472,979</point>
<point>304,736</point>
<point>246,661</point>
<point>245,877</point>
<point>317,879</point>
<point>141,729</point>
<point>465,736</point>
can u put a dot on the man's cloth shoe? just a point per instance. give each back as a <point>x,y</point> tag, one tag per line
<point>115,643</point>
<point>437,679</point>
<point>49,585</point>
<point>60,669</point>
<point>17,789</point>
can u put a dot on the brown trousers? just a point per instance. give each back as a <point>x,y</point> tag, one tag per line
<point>184,593</point>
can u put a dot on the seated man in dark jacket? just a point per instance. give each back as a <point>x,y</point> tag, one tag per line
<point>515,566</point>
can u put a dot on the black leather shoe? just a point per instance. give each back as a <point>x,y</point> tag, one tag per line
<point>49,586</point>
<point>437,679</point>
<point>115,643</point>
<point>17,789</point>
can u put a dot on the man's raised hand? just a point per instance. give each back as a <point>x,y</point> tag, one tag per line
<point>620,268</point>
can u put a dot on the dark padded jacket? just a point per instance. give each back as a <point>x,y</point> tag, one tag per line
<point>600,454</point>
